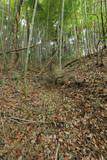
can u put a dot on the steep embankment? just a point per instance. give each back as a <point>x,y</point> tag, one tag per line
<point>66,122</point>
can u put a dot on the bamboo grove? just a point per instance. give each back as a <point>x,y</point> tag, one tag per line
<point>33,32</point>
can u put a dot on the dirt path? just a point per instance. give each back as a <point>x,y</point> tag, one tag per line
<point>64,123</point>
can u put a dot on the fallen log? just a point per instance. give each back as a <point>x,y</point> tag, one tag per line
<point>25,48</point>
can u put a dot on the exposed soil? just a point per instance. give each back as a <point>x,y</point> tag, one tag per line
<point>60,122</point>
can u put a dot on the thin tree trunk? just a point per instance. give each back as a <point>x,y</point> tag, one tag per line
<point>16,29</point>
<point>103,32</point>
<point>106,13</point>
<point>61,35</point>
<point>29,43</point>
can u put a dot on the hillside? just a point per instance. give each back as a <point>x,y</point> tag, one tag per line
<point>62,121</point>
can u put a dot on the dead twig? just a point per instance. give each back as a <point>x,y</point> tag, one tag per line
<point>60,124</point>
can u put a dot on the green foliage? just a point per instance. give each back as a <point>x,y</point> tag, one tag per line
<point>78,14</point>
<point>103,38</point>
<point>48,12</point>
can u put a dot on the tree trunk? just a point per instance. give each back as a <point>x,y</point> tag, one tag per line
<point>61,35</point>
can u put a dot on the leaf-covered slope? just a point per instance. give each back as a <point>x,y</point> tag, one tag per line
<point>67,122</point>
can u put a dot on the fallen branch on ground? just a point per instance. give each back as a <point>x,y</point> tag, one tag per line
<point>25,48</point>
<point>19,120</point>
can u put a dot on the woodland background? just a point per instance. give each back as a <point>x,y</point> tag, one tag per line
<point>53,79</point>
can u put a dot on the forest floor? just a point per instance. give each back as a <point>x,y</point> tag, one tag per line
<point>66,122</point>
